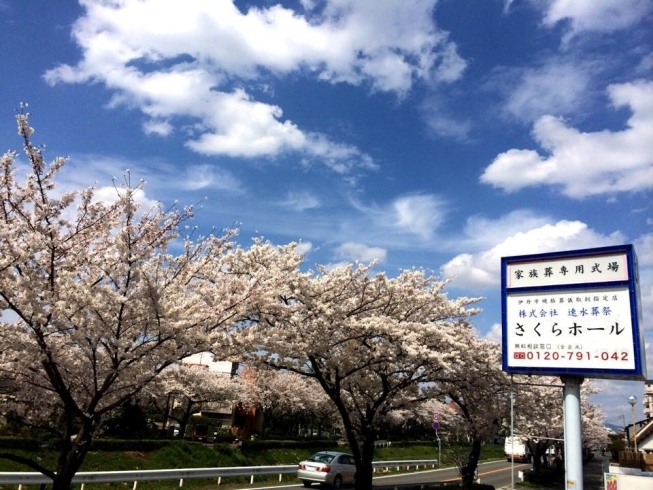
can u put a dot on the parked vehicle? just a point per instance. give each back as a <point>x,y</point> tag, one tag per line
<point>517,450</point>
<point>201,433</point>
<point>328,468</point>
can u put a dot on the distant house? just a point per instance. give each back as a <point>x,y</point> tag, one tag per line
<point>641,433</point>
<point>242,419</point>
<point>644,437</point>
<point>204,360</point>
<point>648,399</point>
<point>222,413</point>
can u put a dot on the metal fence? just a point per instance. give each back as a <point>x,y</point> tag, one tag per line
<point>33,478</point>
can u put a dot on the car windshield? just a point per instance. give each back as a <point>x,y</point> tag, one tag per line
<point>321,458</point>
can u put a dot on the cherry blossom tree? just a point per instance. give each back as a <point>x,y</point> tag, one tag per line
<point>479,390</point>
<point>287,398</point>
<point>368,340</point>
<point>537,411</point>
<point>594,432</point>
<point>419,418</point>
<point>193,387</point>
<point>538,415</point>
<point>96,306</point>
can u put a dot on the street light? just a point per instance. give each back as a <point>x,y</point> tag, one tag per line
<point>632,400</point>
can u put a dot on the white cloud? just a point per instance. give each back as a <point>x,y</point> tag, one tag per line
<point>405,219</point>
<point>242,127</point>
<point>596,15</point>
<point>420,214</point>
<point>359,252</point>
<point>160,128</point>
<point>495,333</point>
<point>646,298</point>
<point>190,59</point>
<point>585,164</point>
<point>483,269</point>
<point>83,169</point>
<point>481,232</point>
<point>506,6</point>
<point>441,122</point>
<point>537,91</point>
<point>301,201</point>
<point>645,65</point>
<point>387,43</point>
<point>448,127</point>
<point>644,249</point>
<point>110,194</point>
<point>206,176</point>
<point>304,247</point>
<point>308,4</point>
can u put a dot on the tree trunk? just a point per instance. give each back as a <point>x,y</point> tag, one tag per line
<point>364,468</point>
<point>183,421</point>
<point>166,416</point>
<point>468,472</point>
<point>537,458</point>
<point>72,455</point>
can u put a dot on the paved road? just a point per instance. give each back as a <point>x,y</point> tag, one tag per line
<point>496,473</point>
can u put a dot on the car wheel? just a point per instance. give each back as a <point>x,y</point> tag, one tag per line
<point>337,481</point>
<point>306,483</point>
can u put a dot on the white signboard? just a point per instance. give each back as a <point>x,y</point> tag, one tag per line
<point>579,329</point>
<point>573,312</point>
<point>565,271</point>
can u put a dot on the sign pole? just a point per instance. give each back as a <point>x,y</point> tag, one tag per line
<point>573,439</point>
<point>512,436</point>
<point>436,426</point>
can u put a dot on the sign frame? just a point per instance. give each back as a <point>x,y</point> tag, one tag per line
<point>622,284</point>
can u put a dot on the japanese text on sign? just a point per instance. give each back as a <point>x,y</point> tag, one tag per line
<point>580,329</point>
<point>570,270</point>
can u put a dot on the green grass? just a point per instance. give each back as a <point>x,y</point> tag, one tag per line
<point>182,454</point>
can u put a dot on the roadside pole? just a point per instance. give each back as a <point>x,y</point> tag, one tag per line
<point>436,427</point>
<point>512,436</point>
<point>573,439</point>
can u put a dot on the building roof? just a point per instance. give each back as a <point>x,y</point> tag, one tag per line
<point>644,433</point>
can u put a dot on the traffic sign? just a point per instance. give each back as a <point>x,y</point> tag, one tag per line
<point>435,425</point>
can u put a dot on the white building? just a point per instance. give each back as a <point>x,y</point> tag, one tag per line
<point>648,399</point>
<point>205,360</point>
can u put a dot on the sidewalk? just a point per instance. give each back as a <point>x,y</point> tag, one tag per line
<point>592,475</point>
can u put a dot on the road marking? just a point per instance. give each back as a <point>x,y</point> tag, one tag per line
<point>288,484</point>
<point>489,472</point>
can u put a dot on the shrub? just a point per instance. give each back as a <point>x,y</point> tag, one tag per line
<point>281,444</point>
<point>19,443</point>
<point>544,477</point>
<point>129,445</point>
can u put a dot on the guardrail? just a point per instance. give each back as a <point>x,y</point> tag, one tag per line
<point>84,477</point>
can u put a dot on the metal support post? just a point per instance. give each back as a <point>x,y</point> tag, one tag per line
<point>573,438</point>
<point>512,436</point>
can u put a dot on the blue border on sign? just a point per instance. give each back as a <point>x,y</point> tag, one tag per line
<point>639,372</point>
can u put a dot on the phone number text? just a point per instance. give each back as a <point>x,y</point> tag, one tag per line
<point>545,355</point>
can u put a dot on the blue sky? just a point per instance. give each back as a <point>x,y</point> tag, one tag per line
<point>434,134</point>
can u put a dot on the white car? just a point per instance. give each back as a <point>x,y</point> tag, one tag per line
<point>328,468</point>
